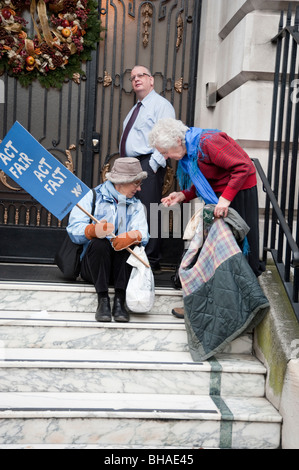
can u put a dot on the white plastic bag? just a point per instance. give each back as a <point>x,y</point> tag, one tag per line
<point>140,293</point>
<point>195,225</point>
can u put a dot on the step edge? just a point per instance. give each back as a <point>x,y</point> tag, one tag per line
<point>92,324</point>
<point>7,285</point>
<point>245,364</point>
<point>130,401</point>
<point>156,366</point>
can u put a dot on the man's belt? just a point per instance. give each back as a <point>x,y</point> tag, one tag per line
<point>142,157</point>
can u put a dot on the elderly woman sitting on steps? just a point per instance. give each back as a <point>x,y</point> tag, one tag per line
<point>211,155</point>
<point>121,213</point>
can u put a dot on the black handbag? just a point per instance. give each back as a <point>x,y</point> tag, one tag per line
<point>68,256</point>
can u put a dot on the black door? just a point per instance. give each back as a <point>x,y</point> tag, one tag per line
<point>81,123</point>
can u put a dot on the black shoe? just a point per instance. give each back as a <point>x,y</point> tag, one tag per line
<point>178,312</point>
<point>103,313</point>
<point>119,311</point>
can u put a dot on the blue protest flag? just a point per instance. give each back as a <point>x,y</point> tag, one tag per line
<point>32,167</point>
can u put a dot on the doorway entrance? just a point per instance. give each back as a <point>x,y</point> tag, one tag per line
<point>81,124</point>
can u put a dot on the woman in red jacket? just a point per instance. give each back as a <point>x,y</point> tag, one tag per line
<point>212,166</point>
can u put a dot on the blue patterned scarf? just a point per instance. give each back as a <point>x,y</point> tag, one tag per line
<point>188,172</point>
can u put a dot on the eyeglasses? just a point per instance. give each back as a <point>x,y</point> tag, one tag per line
<point>137,183</point>
<point>139,75</point>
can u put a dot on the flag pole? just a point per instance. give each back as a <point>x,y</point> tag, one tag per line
<point>113,236</point>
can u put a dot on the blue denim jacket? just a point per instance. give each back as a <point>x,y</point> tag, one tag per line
<point>125,214</point>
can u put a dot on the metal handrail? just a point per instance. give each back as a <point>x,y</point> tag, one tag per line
<point>291,286</point>
<point>282,222</point>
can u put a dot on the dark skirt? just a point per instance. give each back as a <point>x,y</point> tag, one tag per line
<point>246,204</point>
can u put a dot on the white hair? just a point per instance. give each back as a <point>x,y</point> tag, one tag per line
<point>166,132</point>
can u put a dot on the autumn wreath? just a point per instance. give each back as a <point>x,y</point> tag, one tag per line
<point>65,33</point>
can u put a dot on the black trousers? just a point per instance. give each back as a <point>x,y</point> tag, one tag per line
<point>151,192</point>
<point>102,266</point>
<point>246,204</point>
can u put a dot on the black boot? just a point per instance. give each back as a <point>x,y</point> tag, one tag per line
<point>119,311</point>
<point>103,313</point>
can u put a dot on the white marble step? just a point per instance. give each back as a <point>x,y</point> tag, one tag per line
<point>46,329</point>
<point>148,454</point>
<point>42,370</point>
<point>138,419</point>
<point>71,297</point>
<point>69,381</point>
<point>56,318</point>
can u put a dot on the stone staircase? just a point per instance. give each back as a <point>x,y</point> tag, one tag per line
<point>67,381</point>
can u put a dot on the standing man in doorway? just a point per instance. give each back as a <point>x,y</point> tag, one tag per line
<point>150,107</point>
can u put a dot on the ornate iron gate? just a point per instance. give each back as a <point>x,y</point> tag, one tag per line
<point>81,124</point>
<point>281,228</point>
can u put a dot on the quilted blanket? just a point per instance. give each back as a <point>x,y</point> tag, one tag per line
<point>222,296</point>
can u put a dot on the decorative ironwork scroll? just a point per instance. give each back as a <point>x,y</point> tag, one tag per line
<point>178,86</point>
<point>180,31</point>
<point>147,13</point>
<point>3,179</point>
<point>69,163</point>
<point>107,79</point>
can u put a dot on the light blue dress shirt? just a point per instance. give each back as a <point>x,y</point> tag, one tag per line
<point>154,107</point>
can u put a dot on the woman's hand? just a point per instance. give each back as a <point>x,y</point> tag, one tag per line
<point>100,230</point>
<point>124,240</point>
<point>221,209</point>
<point>172,199</point>
<point>103,229</point>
